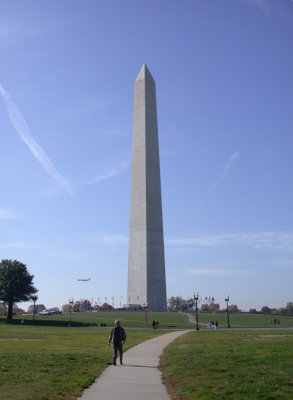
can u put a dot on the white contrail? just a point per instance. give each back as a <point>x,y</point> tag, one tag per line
<point>22,129</point>
<point>219,179</point>
<point>225,171</point>
<point>110,172</point>
<point>262,5</point>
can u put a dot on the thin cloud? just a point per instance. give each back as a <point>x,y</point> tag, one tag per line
<point>260,4</point>
<point>87,105</point>
<point>285,264</point>
<point>225,171</point>
<point>219,179</point>
<point>7,214</point>
<point>71,255</point>
<point>109,240</point>
<point>216,272</point>
<point>14,245</point>
<point>259,240</point>
<point>110,173</point>
<point>267,8</point>
<point>22,129</point>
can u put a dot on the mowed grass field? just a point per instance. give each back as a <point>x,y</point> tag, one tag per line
<point>236,365</point>
<point>166,320</point>
<point>127,319</point>
<point>243,320</point>
<point>55,363</point>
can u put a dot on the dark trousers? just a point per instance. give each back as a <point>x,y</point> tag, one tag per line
<point>117,347</point>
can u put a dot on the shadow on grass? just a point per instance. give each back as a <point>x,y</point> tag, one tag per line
<point>51,322</point>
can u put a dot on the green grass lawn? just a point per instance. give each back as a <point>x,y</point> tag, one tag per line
<point>247,320</point>
<point>57,363</point>
<point>128,319</point>
<point>236,365</point>
<point>54,363</point>
<point>174,320</point>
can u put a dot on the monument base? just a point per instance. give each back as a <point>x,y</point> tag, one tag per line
<point>131,307</point>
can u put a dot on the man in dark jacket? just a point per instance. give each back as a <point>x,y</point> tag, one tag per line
<point>117,338</point>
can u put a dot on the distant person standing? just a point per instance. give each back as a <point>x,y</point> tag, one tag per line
<point>154,324</point>
<point>157,324</point>
<point>117,338</point>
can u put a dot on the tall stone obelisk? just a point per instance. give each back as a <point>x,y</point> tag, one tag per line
<point>146,259</point>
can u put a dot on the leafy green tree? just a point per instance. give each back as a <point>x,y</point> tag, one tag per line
<point>211,307</point>
<point>175,303</point>
<point>191,303</point>
<point>16,284</point>
<point>106,306</point>
<point>179,304</point>
<point>205,307</point>
<point>184,306</point>
<point>266,310</point>
<point>234,308</point>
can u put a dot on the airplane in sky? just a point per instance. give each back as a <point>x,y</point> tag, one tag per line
<point>84,280</point>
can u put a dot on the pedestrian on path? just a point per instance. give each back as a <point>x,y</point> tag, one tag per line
<point>117,338</point>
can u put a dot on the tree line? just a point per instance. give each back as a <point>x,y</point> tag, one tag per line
<point>206,304</point>
<point>287,310</point>
<point>209,304</point>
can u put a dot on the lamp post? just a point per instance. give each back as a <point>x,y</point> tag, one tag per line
<point>70,307</point>
<point>145,306</point>
<point>227,301</point>
<point>195,297</point>
<point>34,299</point>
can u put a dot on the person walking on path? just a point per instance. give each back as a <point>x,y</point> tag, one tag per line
<point>117,338</point>
<point>140,379</point>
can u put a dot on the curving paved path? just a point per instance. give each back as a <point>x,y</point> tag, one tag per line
<point>190,317</point>
<point>138,377</point>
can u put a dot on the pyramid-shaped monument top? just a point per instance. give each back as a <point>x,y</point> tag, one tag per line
<point>144,73</point>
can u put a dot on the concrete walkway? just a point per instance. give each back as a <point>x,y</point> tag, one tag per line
<point>138,377</point>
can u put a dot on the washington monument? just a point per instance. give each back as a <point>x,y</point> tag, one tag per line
<point>146,258</point>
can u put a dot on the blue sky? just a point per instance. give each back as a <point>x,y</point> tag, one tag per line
<point>223,71</point>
